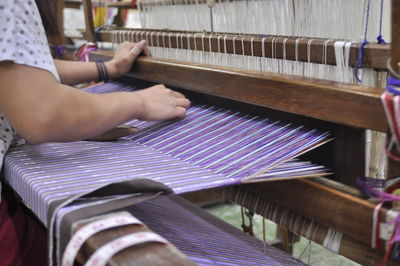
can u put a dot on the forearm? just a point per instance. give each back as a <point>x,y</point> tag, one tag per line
<point>78,115</point>
<point>42,110</point>
<point>73,72</point>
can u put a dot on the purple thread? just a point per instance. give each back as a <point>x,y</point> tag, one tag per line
<point>379,195</point>
<point>392,83</point>
<point>59,50</point>
<point>383,197</point>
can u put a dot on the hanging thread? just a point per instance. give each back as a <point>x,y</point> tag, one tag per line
<point>359,63</point>
<point>380,38</point>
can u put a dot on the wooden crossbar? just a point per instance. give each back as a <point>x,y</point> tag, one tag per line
<point>347,104</point>
<point>280,47</point>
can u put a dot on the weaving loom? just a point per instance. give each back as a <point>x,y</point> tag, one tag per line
<point>237,96</point>
<point>220,158</point>
<point>260,149</point>
<point>349,108</point>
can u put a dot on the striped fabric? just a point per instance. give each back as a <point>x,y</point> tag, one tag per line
<point>211,147</point>
<point>204,238</point>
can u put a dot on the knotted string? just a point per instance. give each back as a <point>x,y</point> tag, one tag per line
<point>383,197</point>
<point>380,38</point>
<point>359,63</point>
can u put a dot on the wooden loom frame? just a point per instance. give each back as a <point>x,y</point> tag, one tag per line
<point>283,47</point>
<point>339,106</point>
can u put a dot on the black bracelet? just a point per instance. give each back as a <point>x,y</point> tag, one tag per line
<point>102,71</point>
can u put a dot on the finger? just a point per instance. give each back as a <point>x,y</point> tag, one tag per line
<point>127,126</point>
<point>178,94</point>
<point>125,46</point>
<point>114,134</point>
<point>180,112</point>
<point>129,46</point>
<point>146,49</point>
<point>137,49</point>
<point>183,102</point>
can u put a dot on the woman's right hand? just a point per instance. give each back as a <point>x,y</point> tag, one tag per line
<point>161,103</point>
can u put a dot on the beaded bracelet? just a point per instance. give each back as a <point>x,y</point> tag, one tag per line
<point>102,71</point>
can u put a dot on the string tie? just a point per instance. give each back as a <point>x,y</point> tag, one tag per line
<point>359,63</point>
<point>380,39</point>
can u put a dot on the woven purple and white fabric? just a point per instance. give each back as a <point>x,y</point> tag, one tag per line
<point>210,148</point>
<point>204,238</point>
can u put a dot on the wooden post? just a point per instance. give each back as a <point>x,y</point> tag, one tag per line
<point>395,47</point>
<point>394,167</point>
<point>60,40</point>
<point>90,32</point>
<point>118,20</point>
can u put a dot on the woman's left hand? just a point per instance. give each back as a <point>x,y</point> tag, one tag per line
<point>124,57</point>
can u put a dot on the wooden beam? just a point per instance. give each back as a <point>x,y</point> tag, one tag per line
<point>89,23</point>
<point>395,48</point>
<point>347,104</point>
<point>393,168</point>
<point>152,253</point>
<point>58,8</point>
<point>72,4</point>
<point>177,2</point>
<point>335,209</point>
<point>280,47</point>
<point>122,4</point>
<point>302,225</point>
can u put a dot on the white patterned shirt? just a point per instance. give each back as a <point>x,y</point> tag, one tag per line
<point>23,41</point>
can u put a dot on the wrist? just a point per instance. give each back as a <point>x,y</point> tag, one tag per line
<point>140,105</point>
<point>112,69</point>
<point>102,72</point>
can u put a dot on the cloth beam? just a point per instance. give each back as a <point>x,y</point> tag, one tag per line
<point>203,237</point>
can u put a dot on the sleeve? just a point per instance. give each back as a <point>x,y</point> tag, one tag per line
<point>22,36</point>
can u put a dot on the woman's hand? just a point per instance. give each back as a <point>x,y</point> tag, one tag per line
<point>114,133</point>
<point>124,57</point>
<point>161,103</point>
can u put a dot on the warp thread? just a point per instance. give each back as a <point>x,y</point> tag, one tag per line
<point>359,63</point>
<point>380,38</point>
<point>332,240</point>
